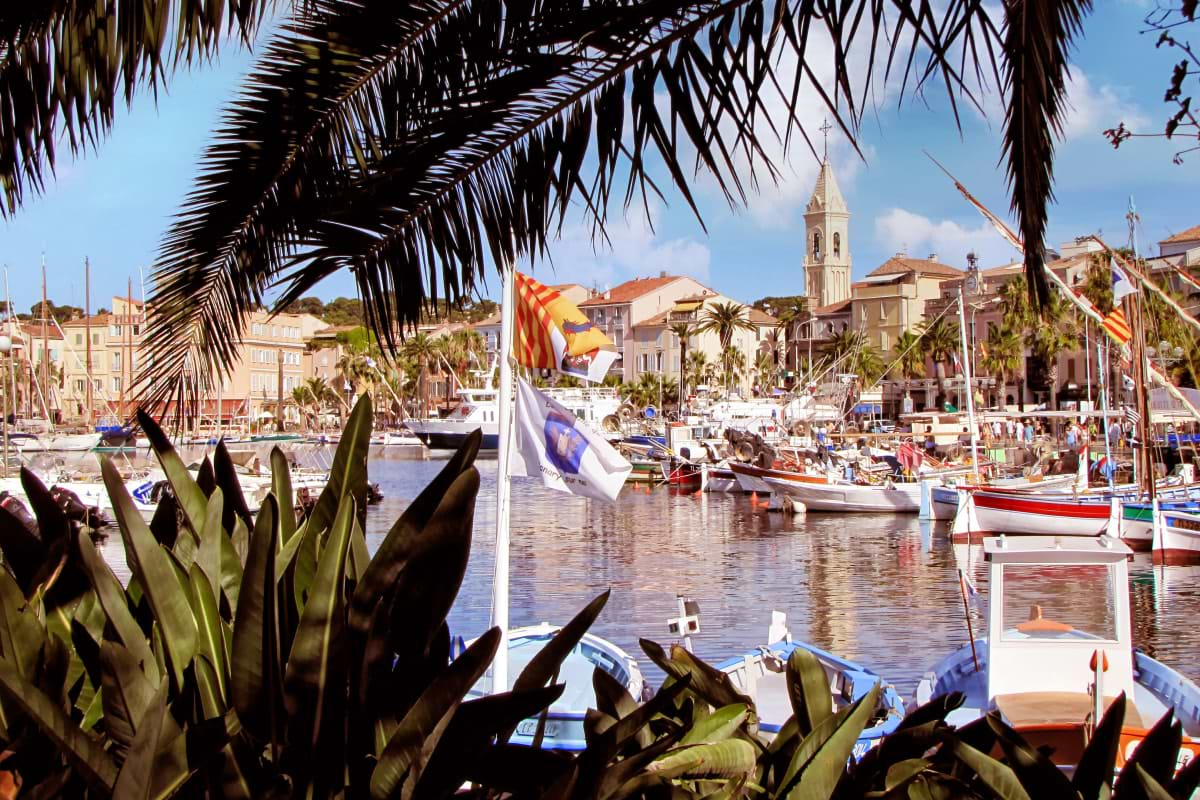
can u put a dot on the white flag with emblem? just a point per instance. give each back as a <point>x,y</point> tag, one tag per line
<point>562,450</point>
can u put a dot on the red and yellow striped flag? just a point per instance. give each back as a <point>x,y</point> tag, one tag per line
<point>1117,327</point>
<point>550,332</point>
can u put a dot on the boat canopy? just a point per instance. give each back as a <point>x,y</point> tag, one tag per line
<point>1038,646</point>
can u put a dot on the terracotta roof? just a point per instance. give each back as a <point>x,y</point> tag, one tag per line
<point>35,330</point>
<point>628,291</point>
<point>761,317</point>
<point>657,319</point>
<point>839,307</point>
<point>697,298</point>
<point>80,322</point>
<point>898,265</point>
<point>1190,234</point>
<point>494,319</point>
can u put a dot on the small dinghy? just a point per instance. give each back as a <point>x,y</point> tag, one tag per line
<point>761,674</point>
<point>1051,671</point>
<point>564,721</point>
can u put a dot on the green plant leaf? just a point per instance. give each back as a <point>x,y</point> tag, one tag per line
<point>187,492</point>
<point>1093,776</point>
<point>348,475</point>
<point>394,551</point>
<point>808,690</point>
<point>717,726</point>
<point>714,686</point>
<point>227,480</point>
<point>547,662</point>
<point>998,777</point>
<point>254,672</point>
<point>1151,789</point>
<point>208,554</point>
<point>281,487</point>
<point>431,712</point>
<point>167,597</point>
<point>315,678</point>
<point>1157,754</point>
<point>820,760</point>
<point>209,626</point>
<point>724,759</point>
<point>126,693</point>
<point>1032,767</point>
<point>112,599</point>
<point>23,552</point>
<point>85,753</point>
<point>902,772</point>
<point>21,632</point>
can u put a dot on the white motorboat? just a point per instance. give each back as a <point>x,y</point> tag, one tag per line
<point>1178,539</point>
<point>564,728</point>
<point>56,443</point>
<point>1051,670</point>
<point>885,498</point>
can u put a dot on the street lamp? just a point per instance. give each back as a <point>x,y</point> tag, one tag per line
<point>5,349</point>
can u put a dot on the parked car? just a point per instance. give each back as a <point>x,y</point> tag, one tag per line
<point>881,426</point>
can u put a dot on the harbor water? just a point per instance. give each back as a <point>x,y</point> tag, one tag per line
<point>881,589</point>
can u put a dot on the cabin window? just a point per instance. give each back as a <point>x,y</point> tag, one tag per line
<point>1042,603</point>
<point>816,245</point>
<point>837,245</point>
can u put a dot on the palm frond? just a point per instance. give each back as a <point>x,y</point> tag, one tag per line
<point>64,67</point>
<point>1036,45</point>
<point>415,147</point>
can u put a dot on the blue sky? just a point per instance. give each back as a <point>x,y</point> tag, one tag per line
<point>113,205</point>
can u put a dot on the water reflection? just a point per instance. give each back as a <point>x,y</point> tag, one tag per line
<point>880,589</point>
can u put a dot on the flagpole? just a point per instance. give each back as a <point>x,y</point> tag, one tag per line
<point>1101,366</point>
<point>966,366</point>
<point>500,576</point>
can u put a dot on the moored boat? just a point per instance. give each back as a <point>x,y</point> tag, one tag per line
<point>1178,539</point>
<point>761,674</point>
<point>887,498</point>
<point>1049,671</point>
<point>564,720</point>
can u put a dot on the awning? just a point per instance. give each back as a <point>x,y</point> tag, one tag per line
<point>868,408</point>
<point>686,306</point>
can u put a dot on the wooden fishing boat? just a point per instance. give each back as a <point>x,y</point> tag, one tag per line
<point>885,498</point>
<point>1051,672</point>
<point>1178,538</point>
<point>564,719</point>
<point>752,478</point>
<point>721,479</point>
<point>761,674</point>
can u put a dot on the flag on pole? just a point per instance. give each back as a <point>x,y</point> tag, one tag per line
<point>1117,327</point>
<point>552,333</point>
<point>1104,466</point>
<point>958,366</point>
<point>1132,415</point>
<point>553,444</point>
<point>1122,287</point>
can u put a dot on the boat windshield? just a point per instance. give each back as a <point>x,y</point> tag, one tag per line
<point>1043,603</point>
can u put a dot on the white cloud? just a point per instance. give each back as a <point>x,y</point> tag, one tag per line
<point>633,249</point>
<point>903,231</point>
<point>1093,109</point>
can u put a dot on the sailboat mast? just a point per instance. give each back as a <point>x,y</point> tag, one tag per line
<point>128,344</point>
<point>1141,369</point>
<point>962,331</point>
<point>45,350</point>
<point>500,577</point>
<point>87,324</point>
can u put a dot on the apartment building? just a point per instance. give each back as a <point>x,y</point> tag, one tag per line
<point>115,352</point>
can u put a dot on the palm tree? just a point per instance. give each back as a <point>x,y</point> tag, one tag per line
<point>842,345</point>
<point>909,357</point>
<point>682,331</point>
<point>725,319</point>
<point>306,177</point>
<point>733,365</point>
<point>1005,356</point>
<point>1056,333</point>
<point>697,367</point>
<point>765,369</point>
<point>792,317</point>
<point>1014,303</point>
<point>422,350</point>
<point>940,341</point>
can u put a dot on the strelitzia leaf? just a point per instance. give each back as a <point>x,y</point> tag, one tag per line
<point>820,760</point>
<point>85,754</point>
<point>727,759</point>
<point>1099,760</point>
<point>126,693</point>
<point>434,705</point>
<point>717,726</point>
<point>281,487</point>
<point>348,475</point>
<point>208,555</point>
<point>315,679</point>
<point>998,777</point>
<point>808,690</point>
<point>209,626</point>
<point>167,597</point>
<point>112,599</point>
<point>21,632</point>
<point>254,671</point>
<point>227,480</point>
<point>187,492</point>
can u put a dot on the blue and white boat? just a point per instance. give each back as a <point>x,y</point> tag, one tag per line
<point>564,720</point>
<point>761,674</point>
<point>1052,672</point>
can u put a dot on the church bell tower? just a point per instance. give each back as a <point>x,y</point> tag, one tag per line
<point>826,242</point>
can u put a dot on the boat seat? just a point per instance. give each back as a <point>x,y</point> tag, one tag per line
<point>1047,708</point>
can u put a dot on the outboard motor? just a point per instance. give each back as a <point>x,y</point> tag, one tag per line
<point>14,506</point>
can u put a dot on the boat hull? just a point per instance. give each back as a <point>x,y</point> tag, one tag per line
<point>452,439</point>
<point>900,498</point>
<point>1180,536</point>
<point>1019,513</point>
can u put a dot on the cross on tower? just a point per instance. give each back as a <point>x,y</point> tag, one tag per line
<point>825,129</point>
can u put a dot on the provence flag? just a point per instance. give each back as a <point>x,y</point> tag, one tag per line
<point>552,444</point>
<point>551,333</point>
<point>1117,327</point>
